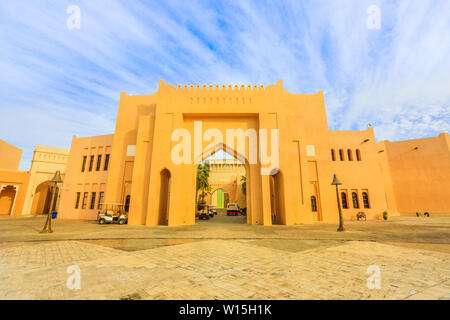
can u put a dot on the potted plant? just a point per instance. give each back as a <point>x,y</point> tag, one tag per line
<point>385,215</point>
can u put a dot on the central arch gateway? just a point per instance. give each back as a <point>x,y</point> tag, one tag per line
<point>162,190</point>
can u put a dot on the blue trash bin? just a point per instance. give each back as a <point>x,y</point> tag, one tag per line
<point>54,214</point>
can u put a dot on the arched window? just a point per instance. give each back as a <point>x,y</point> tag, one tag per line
<point>349,155</point>
<point>341,154</point>
<point>313,204</point>
<point>333,156</point>
<point>358,155</point>
<point>365,197</point>
<point>344,200</point>
<point>355,200</point>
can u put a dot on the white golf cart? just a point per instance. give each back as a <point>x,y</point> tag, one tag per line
<point>112,213</point>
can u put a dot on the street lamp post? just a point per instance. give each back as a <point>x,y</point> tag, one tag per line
<point>336,182</point>
<point>48,223</point>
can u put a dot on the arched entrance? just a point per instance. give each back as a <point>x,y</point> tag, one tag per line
<point>42,198</point>
<point>220,198</point>
<point>164,198</point>
<point>228,171</point>
<point>7,199</point>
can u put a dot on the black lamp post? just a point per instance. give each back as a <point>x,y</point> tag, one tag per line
<point>336,182</point>
<point>48,223</point>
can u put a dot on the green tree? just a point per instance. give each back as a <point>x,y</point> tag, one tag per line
<point>244,184</point>
<point>202,184</point>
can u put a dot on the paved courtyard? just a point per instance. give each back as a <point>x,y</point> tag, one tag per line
<point>224,259</point>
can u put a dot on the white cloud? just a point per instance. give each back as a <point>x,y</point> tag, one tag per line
<point>55,82</point>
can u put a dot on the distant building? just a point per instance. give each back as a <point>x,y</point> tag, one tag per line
<point>29,192</point>
<point>87,173</point>
<point>417,174</point>
<point>226,183</point>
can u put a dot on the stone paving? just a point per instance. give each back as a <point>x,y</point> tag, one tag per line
<point>223,269</point>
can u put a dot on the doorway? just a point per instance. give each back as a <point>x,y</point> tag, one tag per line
<point>164,198</point>
<point>276,199</point>
<point>7,197</point>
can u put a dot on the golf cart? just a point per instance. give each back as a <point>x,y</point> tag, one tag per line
<point>112,213</point>
<point>212,211</point>
<point>203,212</point>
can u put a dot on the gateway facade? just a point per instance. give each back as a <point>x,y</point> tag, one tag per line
<point>143,175</point>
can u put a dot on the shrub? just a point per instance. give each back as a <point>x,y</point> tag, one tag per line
<point>385,215</point>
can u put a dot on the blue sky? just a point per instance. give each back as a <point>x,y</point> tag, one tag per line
<point>56,82</point>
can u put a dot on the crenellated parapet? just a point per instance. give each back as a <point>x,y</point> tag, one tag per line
<point>51,154</point>
<point>198,88</point>
<point>219,94</point>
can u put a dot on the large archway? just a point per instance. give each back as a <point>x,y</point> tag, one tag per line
<point>236,135</point>
<point>227,184</point>
<point>7,199</point>
<point>42,198</point>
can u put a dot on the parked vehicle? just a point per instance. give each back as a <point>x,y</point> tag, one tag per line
<point>203,212</point>
<point>212,211</point>
<point>361,215</point>
<point>112,213</point>
<point>233,209</point>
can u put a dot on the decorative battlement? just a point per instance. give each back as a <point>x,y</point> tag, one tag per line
<point>51,149</point>
<point>219,94</point>
<point>221,88</point>
<point>50,154</point>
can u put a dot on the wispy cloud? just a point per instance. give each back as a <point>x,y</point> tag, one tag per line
<point>56,82</point>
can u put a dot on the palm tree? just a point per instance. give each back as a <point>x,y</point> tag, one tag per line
<point>244,184</point>
<point>202,184</point>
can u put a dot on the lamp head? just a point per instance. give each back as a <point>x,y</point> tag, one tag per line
<point>336,181</point>
<point>56,178</point>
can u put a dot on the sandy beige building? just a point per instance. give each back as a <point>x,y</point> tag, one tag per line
<point>142,168</point>
<point>87,173</point>
<point>9,156</point>
<point>13,183</point>
<point>417,174</point>
<point>29,192</point>
<point>226,183</point>
<point>46,161</point>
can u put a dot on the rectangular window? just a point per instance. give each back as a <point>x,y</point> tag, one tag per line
<point>341,154</point>
<point>349,155</point>
<point>92,206</point>
<point>83,166</point>
<point>91,163</point>
<point>106,162</point>
<point>85,198</point>
<point>99,162</point>
<point>101,198</point>
<point>358,155</point>
<point>365,196</point>
<point>355,200</point>
<point>333,157</point>
<point>77,202</point>
<point>344,199</point>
